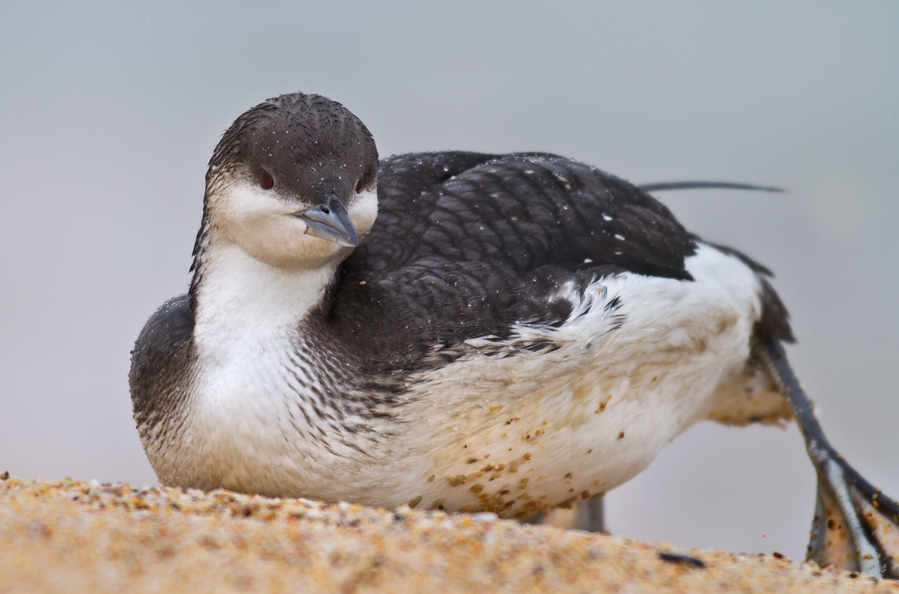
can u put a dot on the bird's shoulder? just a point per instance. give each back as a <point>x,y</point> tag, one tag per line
<point>162,355</point>
<point>524,210</point>
<point>470,244</point>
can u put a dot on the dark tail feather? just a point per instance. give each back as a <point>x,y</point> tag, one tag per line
<point>704,185</point>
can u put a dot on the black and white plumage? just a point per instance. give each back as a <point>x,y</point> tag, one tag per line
<point>512,333</point>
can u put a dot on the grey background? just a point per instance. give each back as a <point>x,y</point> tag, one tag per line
<point>110,111</point>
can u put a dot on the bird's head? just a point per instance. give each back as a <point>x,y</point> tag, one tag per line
<point>293,182</point>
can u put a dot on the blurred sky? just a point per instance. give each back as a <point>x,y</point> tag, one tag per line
<point>109,112</point>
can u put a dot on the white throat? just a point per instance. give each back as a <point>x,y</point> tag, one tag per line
<point>254,390</point>
<point>241,298</point>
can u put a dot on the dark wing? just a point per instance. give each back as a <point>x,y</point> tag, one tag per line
<point>466,245</point>
<point>162,356</point>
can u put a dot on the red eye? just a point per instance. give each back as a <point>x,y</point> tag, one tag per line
<point>265,179</point>
<point>358,185</point>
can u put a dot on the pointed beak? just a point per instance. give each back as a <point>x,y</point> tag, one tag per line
<point>330,221</point>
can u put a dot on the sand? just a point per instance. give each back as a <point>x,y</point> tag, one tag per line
<point>71,536</point>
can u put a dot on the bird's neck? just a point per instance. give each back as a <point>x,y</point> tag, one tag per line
<point>236,295</point>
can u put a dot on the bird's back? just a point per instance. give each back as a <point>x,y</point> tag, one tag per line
<point>468,245</point>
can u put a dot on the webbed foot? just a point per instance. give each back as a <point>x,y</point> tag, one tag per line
<point>855,527</point>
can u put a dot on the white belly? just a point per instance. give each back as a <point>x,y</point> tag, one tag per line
<point>513,434</point>
<point>530,431</point>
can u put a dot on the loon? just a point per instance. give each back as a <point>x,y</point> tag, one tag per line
<point>460,331</point>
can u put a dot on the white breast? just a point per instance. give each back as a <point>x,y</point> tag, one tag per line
<point>258,420</point>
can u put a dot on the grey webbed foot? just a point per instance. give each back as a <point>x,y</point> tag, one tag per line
<point>855,526</point>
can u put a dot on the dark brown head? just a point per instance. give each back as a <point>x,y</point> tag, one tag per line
<point>293,181</point>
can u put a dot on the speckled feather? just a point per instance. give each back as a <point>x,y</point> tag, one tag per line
<point>486,283</point>
<point>467,245</point>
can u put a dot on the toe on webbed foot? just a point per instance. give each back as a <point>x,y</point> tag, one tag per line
<point>855,526</point>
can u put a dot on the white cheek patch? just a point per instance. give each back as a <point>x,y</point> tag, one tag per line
<point>264,226</point>
<point>239,201</point>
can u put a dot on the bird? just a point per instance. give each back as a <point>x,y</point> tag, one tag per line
<point>455,330</point>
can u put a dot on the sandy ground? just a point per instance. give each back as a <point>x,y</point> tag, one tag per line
<point>70,536</point>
